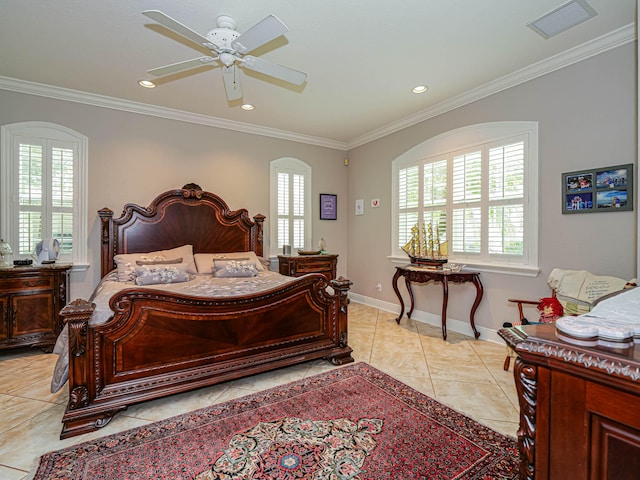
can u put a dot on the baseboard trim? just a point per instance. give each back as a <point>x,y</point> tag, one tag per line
<point>453,325</point>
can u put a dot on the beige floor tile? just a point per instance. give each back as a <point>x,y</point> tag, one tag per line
<point>410,364</point>
<point>389,327</point>
<point>397,343</point>
<point>22,446</point>
<point>41,390</point>
<point>266,380</point>
<point>505,428</point>
<point>161,408</point>
<point>11,473</point>
<point>478,400</point>
<point>16,411</point>
<point>458,372</point>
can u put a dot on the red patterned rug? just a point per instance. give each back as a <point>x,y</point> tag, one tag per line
<point>350,423</point>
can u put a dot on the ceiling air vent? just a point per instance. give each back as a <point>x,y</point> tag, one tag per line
<point>562,18</point>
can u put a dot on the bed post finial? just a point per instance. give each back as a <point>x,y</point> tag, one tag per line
<point>192,190</point>
<point>259,219</point>
<point>106,241</point>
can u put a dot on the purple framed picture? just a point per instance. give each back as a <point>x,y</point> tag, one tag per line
<point>328,206</point>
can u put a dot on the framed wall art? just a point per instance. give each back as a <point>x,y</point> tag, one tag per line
<point>328,206</point>
<point>606,189</point>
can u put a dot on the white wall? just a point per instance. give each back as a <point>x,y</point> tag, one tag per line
<point>587,119</point>
<point>133,157</point>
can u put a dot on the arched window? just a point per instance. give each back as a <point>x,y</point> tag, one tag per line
<point>290,204</point>
<point>473,192</point>
<point>43,171</point>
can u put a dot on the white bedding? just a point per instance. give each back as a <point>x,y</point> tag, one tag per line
<point>199,286</point>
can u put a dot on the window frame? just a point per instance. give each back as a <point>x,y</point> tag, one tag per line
<point>292,166</point>
<point>51,133</point>
<point>466,139</point>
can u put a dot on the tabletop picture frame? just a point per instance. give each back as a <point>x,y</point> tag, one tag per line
<point>328,206</point>
<point>604,189</point>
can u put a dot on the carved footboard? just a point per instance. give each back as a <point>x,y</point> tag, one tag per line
<point>158,344</point>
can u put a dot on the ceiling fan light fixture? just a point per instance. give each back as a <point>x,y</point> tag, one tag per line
<point>146,84</point>
<point>247,106</point>
<point>419,89</point>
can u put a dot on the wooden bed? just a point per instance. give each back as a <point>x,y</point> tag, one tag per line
<point>157,344</point>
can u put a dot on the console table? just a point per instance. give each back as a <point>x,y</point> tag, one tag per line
<point>417,274</point>
<point>579,415</point>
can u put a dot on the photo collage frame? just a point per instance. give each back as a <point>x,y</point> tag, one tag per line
<point>606,189</point>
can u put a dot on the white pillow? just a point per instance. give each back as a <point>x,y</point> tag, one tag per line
<point>204,261</point>
<point>126,262</point>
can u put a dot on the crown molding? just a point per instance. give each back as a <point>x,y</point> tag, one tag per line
<point>597,46</point>
<point>58,93</point>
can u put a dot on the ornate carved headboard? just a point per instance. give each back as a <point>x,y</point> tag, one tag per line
<point>188,216</point>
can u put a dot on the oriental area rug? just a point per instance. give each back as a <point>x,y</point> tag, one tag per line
<point>347,424</point>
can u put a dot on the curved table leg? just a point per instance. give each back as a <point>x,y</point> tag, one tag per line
<point>397,275</point>
<point>445,301</point>
<point>408,284</point>
<point>479,293</point>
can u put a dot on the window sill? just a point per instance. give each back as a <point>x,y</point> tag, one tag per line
<point>503,268</point>
<point>80,267</point>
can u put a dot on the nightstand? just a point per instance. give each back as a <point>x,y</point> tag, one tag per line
<point>298,265</point>
<point>31,298</point>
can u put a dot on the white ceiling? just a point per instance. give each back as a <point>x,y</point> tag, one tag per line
<point>362,56</point>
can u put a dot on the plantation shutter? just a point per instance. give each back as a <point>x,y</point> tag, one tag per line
<point>408,201</point>
<point>506,199</point>
<point>466,199</point>
<point>291,209</point>
<point>435,199</point>
<point>478,201</point>
<point>298,211</point>
<point>31,208</point>
<point>45,194</point>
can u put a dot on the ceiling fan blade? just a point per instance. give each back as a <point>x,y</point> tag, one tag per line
<point>274,70</point>
<point>181,66</point>
<point>179,28</point>
<point>231,78</point>
<point>262,32</point>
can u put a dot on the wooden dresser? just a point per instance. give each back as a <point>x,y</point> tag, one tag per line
<point>579,407</point>
<point>30,302</point>
<point>298,265</point>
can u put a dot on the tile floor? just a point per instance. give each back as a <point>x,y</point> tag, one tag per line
<point>461,372</point>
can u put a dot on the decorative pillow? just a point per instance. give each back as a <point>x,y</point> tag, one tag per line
<point>154,274</point>
<point>234,268</point>
<point>204,261</point>
<point>126,263</point>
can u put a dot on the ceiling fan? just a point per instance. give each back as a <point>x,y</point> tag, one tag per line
<point>229,49</point>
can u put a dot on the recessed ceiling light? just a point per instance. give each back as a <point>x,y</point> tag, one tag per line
<point>420,89</point>
<point>147,84</point>
<point>247,106</point>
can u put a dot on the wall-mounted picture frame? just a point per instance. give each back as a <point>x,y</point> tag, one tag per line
<point>605,189</point>
<point>328,206</point>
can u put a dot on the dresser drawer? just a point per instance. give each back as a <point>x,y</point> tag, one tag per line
<point>298,265</point>
<point>314,266</point>
<point>38,282</point>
